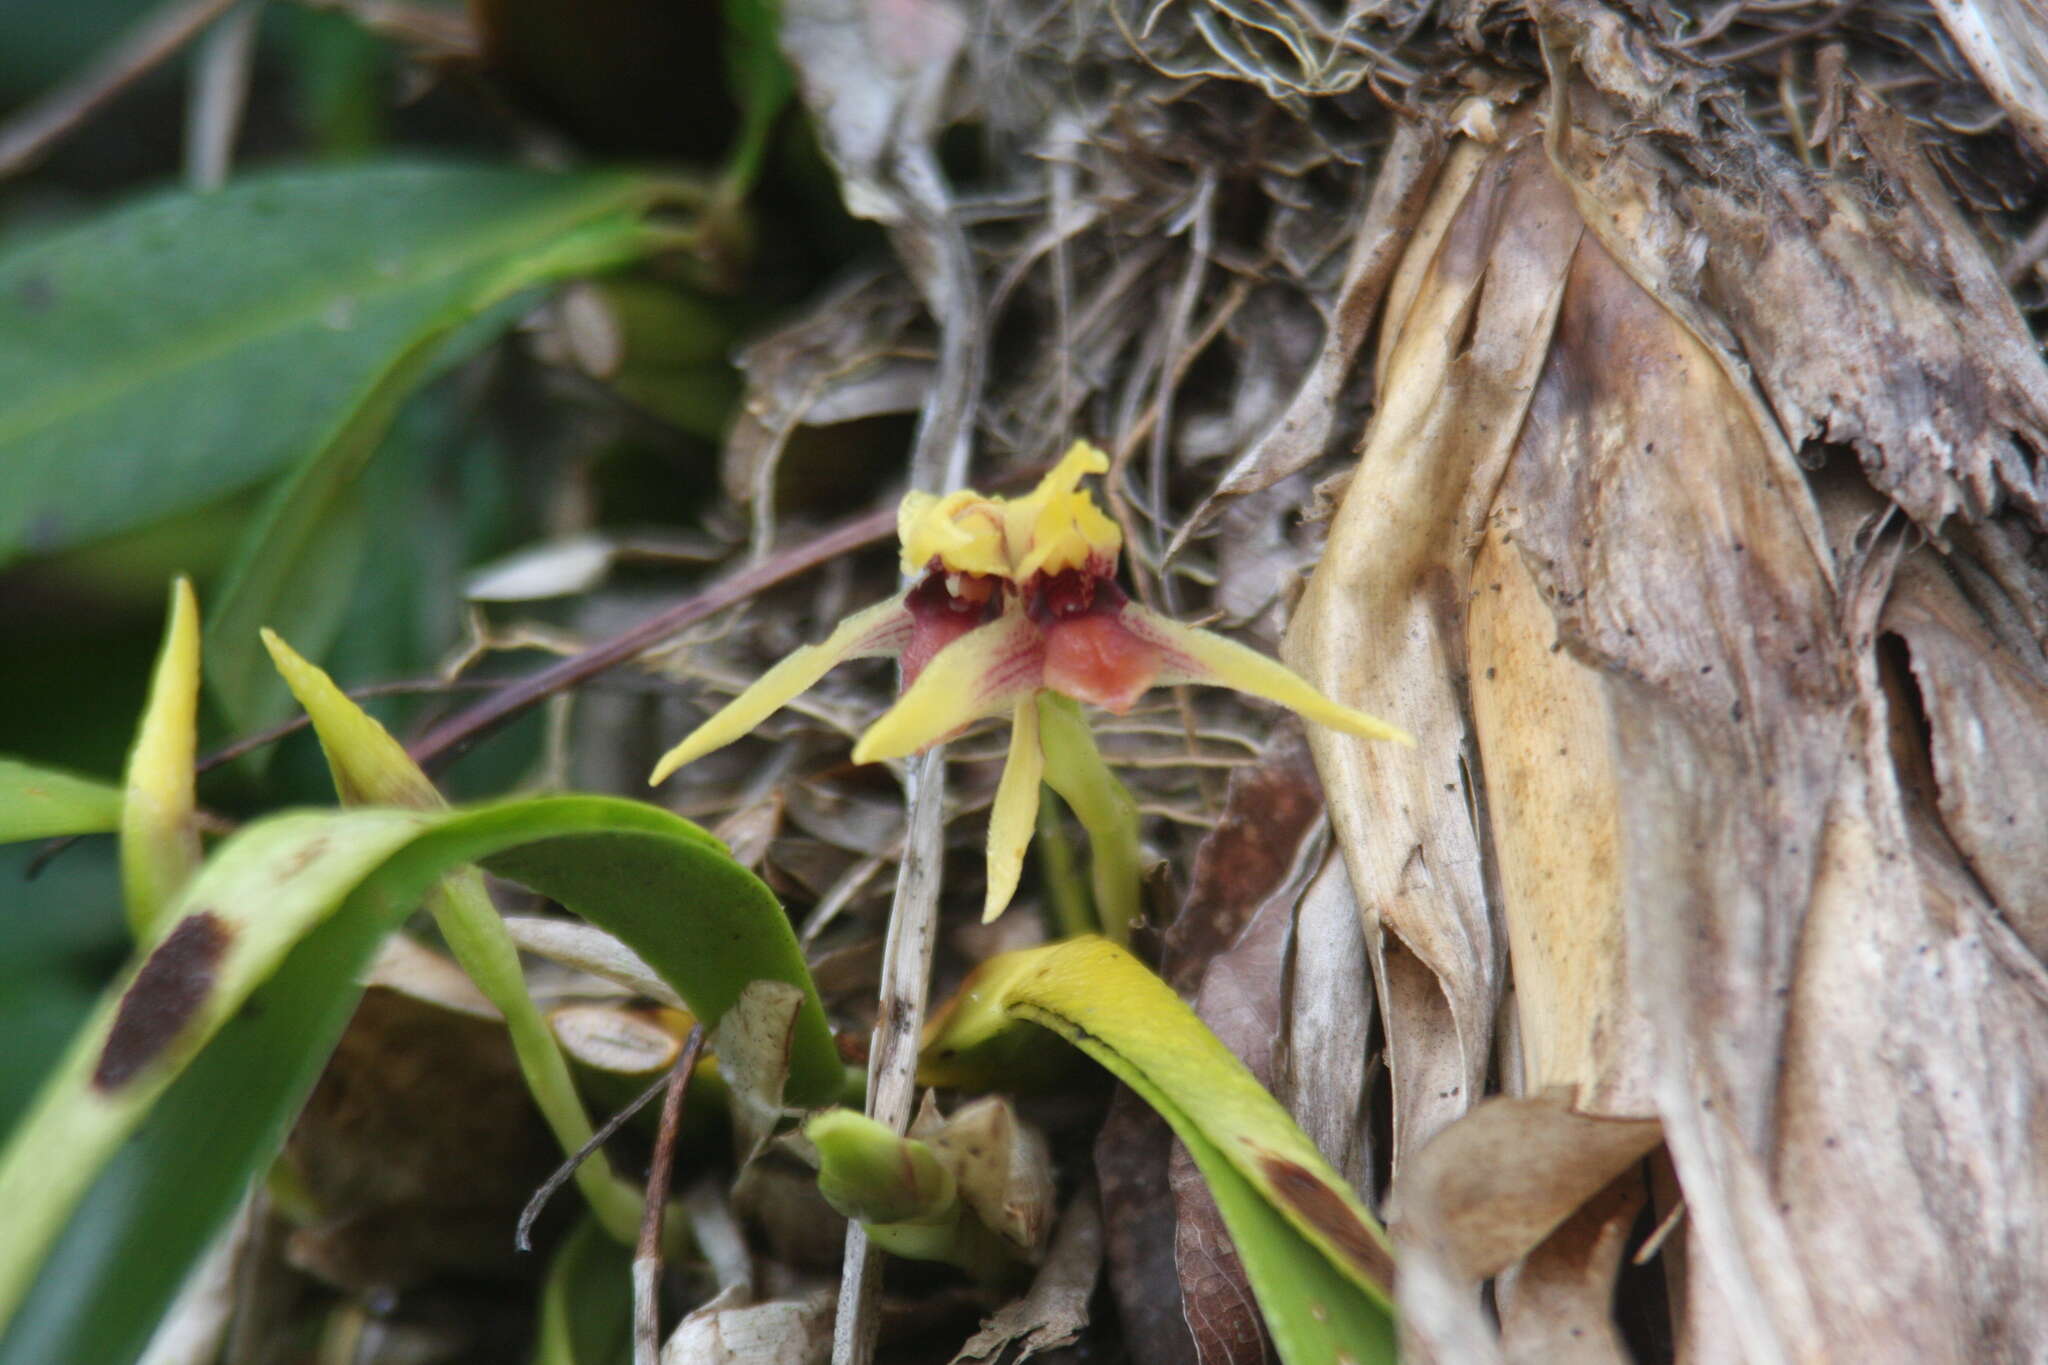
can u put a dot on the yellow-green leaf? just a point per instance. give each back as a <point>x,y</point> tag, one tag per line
<point>372,768</point>
<point>159,839</point>
<point>44,803</point>
<point>1318,1262</point>
<point>217,1032</point>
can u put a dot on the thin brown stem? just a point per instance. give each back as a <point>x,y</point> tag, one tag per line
<point>29,134</point>
<point>647,1256</point>
<point>453,734</point>
<point>407,687</point>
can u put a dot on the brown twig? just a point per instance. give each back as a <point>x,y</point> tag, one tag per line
<point>647,1256</point>
<point>522,1237</point>
<point>228,753</point>
<point>447,738</point>
<point>28,135</point>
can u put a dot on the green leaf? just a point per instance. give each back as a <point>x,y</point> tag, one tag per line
<point>177,350</point>
<point>761,84</point>
<point>217,1034</point>
<point>371,768</point>
<point>866,1170</point>
<point>1103,804</point>
<point>174,350</point>
<point>1318,1262</point>
<point>586,1306</point>
<point>42,803</point>
<point>905,1194</point>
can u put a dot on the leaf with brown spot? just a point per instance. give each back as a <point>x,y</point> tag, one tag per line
<point>164,997</point>
<point>1321,1273</point>
<point>284,918</point>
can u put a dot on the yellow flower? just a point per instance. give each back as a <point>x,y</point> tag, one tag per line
<point>1018,596</point>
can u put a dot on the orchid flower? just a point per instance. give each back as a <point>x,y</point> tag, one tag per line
<point>1015,599</point>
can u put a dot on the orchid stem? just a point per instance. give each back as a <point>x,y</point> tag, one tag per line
<point>1066,894</point>
<point>1074,768</point>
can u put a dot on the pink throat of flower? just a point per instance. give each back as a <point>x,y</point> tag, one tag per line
<point>1087,649</point>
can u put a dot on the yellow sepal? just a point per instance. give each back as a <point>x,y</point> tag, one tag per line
<point>880,629</point>
<point>983,673</point>
<point>1015,812</point>
<point>1189,655</point>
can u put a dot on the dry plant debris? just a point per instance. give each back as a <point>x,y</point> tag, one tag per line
<point>1694,529</point>
<point>1642,404</point>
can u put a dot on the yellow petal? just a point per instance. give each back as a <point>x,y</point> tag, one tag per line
<point>983,673</point>
<point>880,629</point>
<point>962,530</point>
<point>1057,526</point>
<point>1015,813</point>
<point>1198,656</point>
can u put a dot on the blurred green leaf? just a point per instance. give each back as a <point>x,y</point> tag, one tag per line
<point>219,1031</point>
<point>41,44</point>
<point>174,350</point>
<point>42,803</point>
<point>61,937</point>
<point>760,80</point>
<point>341,71</point>
<point>586,1306</point>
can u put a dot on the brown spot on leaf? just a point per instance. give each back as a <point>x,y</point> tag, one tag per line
<point>1323,1209</point>
<point>302,858</point>
<point>165,994</point>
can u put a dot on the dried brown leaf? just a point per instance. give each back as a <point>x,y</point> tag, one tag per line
<point>621,1041</point>
<point>752,1044</point>
<point>1488,1189</point>
<point>1987,713</point>
<point>1468,324</point>
<point>1324,1064</point>
<point>1270,807</point>
<point>1054,1312</point>
<point>1557,1306</point>
<point>1681,554</point>
<point>1002,1164</point>
<point>1867,312</point>
<point>2007,45</point>
<point>1554,802</point>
